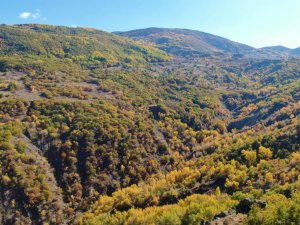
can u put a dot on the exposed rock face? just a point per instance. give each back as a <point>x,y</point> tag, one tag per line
<point>245,205</point>
<point>225,213</point>
<point>234,219</point>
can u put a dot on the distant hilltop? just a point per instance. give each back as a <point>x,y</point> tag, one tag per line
<point>191,43</point>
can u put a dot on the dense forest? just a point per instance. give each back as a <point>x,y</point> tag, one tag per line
<point>97,128</point>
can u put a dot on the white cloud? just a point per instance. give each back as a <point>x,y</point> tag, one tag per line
<point>25,15</point>
<point>28,15</point>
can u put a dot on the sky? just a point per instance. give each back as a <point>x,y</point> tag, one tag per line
<point>257,23</point>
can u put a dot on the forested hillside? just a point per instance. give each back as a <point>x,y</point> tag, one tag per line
<point>86,46</point>
<point>99,129</point>
<point>192,44</point>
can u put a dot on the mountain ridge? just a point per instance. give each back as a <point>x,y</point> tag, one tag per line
<point>180,42</point>
<point>81,44</point>
<point>193,42</point>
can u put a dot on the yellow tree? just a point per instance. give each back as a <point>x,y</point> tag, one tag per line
<point>264,153</point>
<point>250,156</point>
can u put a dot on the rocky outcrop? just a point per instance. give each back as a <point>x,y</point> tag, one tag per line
<point>246,204</point>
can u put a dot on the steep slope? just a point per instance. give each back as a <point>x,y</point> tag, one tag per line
<point>244,164</point>
<point>28,186</point>
<point>184,42</point>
